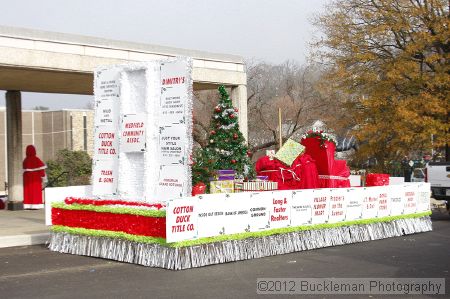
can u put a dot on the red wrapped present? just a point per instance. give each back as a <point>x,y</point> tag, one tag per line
<point>377,179</point>
<point>339,177</point>
<point>322,152</point>
<point>301,175</point>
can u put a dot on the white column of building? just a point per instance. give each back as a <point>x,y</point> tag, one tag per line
<point>14,138</point>
<point>239,99</point>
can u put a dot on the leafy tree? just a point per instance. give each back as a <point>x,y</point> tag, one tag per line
<point>70,168</point>
<point>390,59</point>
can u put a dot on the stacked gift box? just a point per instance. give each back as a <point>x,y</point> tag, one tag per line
<point>223,181</point>
<point>258,185</point>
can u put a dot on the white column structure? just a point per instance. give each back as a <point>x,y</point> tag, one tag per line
<point>14,148</point>
<point>239,99</point>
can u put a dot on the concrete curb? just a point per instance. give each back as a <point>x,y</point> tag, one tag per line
<point>24,240</point>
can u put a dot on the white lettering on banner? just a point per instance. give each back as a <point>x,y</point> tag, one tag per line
<point>301,207</point>
<point>397,196</point>
<point>181,220</point>
<point>354,204</point>
<point>370,202</point>
<point>410,202</point>
<point>132,136</point>
<point>384,202</point>
<point>320,206</point>
<point>259,209</point>
<point>280,210</point>
<point>104,176</point>
<point>423,197</point>
<point>338,205</point>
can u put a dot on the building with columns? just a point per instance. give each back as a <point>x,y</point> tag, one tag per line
<point>40,61</point>
<point>49,132</point>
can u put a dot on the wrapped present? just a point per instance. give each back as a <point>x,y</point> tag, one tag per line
<point>377,179</point>
<point>322,152</point>
<point>339,177</point>
<point>262,177</point>
<point>289,152</point>
<point>255,186</point>
<point>199,188</point>
<point>222,186</point>
<point>224,175</point>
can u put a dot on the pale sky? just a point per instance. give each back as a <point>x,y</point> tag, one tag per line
<point>265,30</point>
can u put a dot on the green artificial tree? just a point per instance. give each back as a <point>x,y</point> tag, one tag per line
<point>226,147</point>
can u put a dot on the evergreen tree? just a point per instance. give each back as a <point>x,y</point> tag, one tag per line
<point>226,148</point>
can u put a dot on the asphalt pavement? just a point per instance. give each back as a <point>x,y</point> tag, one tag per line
<point>36,272</point>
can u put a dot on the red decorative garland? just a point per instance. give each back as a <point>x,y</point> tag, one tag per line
<point>130,224</point>
<point>110,202</point>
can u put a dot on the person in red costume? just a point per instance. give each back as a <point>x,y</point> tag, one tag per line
<point>33,173</point>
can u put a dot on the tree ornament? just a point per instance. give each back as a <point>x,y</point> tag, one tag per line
<point>212,132</point>
<point>233,161</point>
<point>236,110</point>
<point>217,109</point>
<point>235,136</point>
<point>249,153</point>
<point>211,141</point>
<point>232,116</point>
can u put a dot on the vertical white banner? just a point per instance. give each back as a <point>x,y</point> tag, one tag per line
<point>338,205</point>
<point>384,202</point>
<point>320,206</point>
<point>181,220</point>
<point>410,192</point>
<point>104,172</point>
<point>301,207</point>
<point>370,202</point>
<point>211,215</point>
<point>259,208</point>
<point>397,198</point>
<point>132,133</point>
<point>355,198</point>
<point>280,209</point>
<point>423,197</point>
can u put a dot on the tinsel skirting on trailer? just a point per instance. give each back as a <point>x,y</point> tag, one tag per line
<point>185,256</point>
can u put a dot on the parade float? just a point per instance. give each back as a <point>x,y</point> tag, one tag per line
<point>141,209</point>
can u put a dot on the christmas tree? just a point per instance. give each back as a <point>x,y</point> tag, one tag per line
<point>226,148</point>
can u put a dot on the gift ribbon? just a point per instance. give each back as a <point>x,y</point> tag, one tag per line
<point>332,177</point>
<point>294,175</point>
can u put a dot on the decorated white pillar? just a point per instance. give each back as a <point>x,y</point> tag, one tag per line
<point>239,99</point>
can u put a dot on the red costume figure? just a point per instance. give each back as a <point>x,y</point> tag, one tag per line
<point>33,172</point>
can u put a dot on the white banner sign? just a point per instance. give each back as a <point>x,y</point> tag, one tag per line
<point>219,214</point>
<point>301,207</point>
<point>354,204</point>
<point>132,133</point>
<point>397,196</point>
<point>181,220</point>
<point>172,145</point>
<point>410,202</point>
<point>106,145</point>
<point>320,206</point>
<point>259,209</point>
<point>423,197</point>
<point>384,202</point>
<point>338,205</point>
<point>211,215</point>
<point>104,174</point>
<point>171,181</point>
<point>370,202</point>
<point>280,209</point>
<point>174,83</point>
